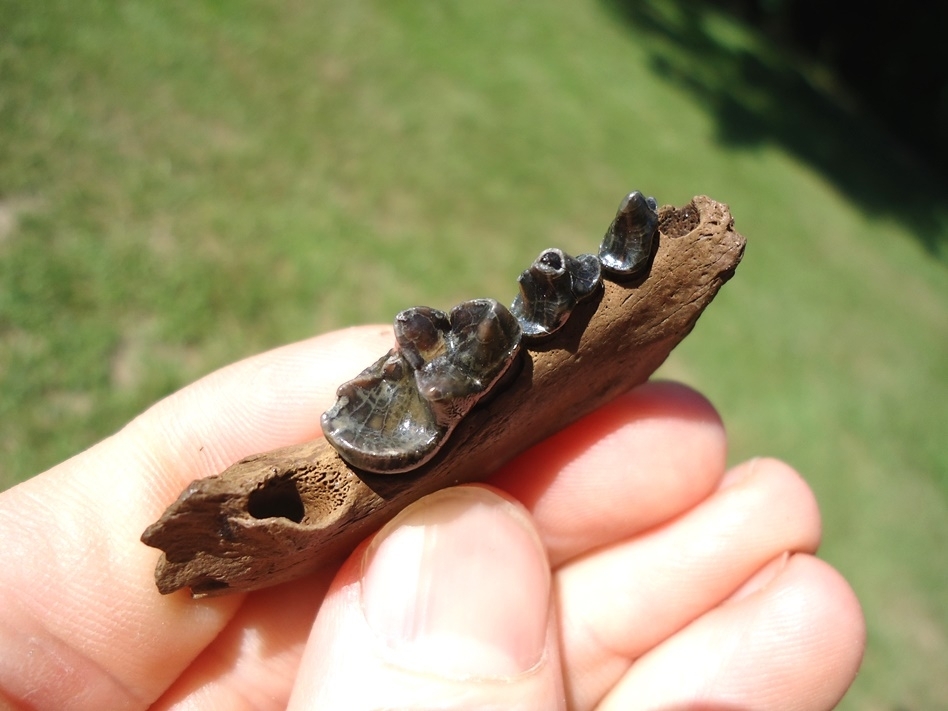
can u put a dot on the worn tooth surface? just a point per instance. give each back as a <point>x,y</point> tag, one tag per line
<point>627,244</point>
<point>396,414</point>
<point>551,288</point>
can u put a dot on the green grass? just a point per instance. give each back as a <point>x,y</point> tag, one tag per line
<point>186,183</point>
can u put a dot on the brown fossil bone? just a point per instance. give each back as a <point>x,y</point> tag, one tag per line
<point>279,515</point>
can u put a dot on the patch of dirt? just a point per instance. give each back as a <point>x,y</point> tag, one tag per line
<point>10,210</point>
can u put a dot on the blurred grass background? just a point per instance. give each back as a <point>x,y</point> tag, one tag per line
<point>186,183</point>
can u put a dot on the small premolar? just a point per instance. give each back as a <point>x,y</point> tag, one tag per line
<point>551,288</point>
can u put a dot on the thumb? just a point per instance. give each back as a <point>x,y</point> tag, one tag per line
<point>447,607</point>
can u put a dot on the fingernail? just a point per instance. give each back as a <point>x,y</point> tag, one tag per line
<point>458,585</point>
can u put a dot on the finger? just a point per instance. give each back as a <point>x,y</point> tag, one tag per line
<point>447,608</point>
<point>795,643</point>
<point>640,460</point>
<point>252,663</point>
<point>617,603</point>
<point>264,402</point>
<point>82,625</point>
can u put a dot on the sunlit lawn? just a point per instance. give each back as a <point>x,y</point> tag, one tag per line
<point>186,183</point>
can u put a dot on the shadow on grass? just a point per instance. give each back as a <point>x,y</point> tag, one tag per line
<point>758,101</point>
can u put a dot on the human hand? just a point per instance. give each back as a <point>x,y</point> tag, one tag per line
<point>635,572</point>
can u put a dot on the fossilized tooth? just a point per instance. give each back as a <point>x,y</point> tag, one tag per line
<point>380,421</point>
<point>551,288</point>
<point>482,344</point>
<point>627,245</point>
<point>420,333</point>
<point>397,413</point>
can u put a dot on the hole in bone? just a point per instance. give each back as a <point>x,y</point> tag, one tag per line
<point>276,499</point>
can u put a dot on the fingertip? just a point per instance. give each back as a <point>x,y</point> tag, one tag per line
<point>636,462</point>
<point>814,612</point>
<point>670,398</point>
<point>781,482</point>
<point>667,409</point>
<point>448,599</point>
<point>796,642</point>
<point>837,622</point>
<point>458,584</point>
